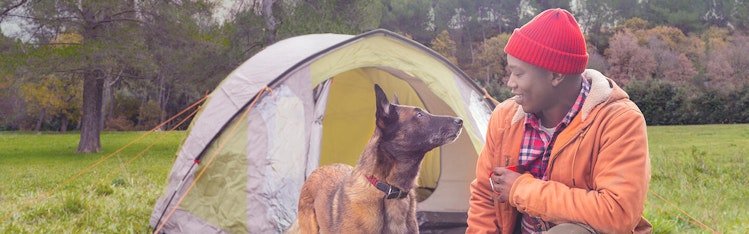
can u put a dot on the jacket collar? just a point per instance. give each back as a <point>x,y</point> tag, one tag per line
<point>601,90</point>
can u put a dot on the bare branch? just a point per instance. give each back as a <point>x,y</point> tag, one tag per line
<point>42,19</point>
<point>124,12</point>
<point>88,71</point>
<point>116,78</point>
<point>52,43</point>
<point>10,8</point>
<point>118,20</point>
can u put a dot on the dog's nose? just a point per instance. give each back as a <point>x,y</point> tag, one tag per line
<point>458,121</point>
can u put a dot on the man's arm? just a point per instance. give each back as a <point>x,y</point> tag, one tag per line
<point>482,216</point>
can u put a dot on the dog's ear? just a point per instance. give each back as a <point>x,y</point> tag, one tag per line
<point>383,105</point>
<point>384,109</point>
<point>395,99</point>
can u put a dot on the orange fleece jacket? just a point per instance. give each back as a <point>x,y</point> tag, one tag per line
<point>599,168</point>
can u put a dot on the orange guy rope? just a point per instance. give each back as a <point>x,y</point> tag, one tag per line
<point>685,213</point>
<point>147,148</point>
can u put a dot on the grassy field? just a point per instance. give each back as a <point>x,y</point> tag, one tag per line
<point>110,198</point>
<point>702,170</point>
<point>697,171</point>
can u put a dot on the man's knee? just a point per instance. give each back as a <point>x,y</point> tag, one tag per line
<point>565,228</point>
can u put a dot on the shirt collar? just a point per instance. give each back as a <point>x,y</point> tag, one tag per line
<point>532,120</point>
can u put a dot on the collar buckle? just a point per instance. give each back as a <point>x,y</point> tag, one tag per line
<point>391,192</point>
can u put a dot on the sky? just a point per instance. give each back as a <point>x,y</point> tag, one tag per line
<point>9,28</point>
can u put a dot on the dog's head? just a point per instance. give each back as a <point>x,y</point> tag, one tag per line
<point>408,130</point>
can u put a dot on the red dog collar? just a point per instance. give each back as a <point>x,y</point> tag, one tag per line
<point>391,192</point>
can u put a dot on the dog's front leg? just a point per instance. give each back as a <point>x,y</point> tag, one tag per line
<point>411,224</point>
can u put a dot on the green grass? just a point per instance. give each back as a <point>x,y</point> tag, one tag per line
<point>702,170</point>
<point>110,198</point>
<point>699,169</point>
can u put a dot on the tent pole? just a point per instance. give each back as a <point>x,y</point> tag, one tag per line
<point>179,186</point>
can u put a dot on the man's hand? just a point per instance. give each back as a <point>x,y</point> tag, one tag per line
<point>503,178</point>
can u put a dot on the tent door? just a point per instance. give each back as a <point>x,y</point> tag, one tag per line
<point>320,96</point>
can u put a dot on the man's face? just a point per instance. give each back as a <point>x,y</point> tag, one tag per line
<point>531,85</point>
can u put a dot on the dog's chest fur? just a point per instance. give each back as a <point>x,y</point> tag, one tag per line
<point>395,214</point>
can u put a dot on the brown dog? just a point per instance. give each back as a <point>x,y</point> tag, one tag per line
<point>376,196</point>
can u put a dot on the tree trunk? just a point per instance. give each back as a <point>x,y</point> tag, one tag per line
<point>64,124</point>
<point>105,103</point>
<point>93,87</point>
<point>163,100</point>
<point>141,108</point>
<point>270,20</point>
<point>108,100</point>
<point>39,122</point>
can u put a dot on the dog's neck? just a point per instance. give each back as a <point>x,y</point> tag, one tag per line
<point>402,174</point>
<point>385,167</point>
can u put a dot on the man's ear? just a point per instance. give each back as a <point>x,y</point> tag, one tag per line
<point>557,78</point>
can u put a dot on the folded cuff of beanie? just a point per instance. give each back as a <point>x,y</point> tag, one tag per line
<point>551,59</point>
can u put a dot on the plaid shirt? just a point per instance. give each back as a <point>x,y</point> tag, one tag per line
<point>536,150</point>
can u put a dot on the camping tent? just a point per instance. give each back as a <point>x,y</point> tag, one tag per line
<point>308,101</point>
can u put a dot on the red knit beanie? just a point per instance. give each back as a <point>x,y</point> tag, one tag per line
<point>553,41</point>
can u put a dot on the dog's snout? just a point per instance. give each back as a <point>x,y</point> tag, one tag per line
<point>458,121</point>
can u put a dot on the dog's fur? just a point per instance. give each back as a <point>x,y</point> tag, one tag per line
<point>340,199</point>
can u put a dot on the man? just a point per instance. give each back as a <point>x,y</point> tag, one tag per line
<point>577,140</point>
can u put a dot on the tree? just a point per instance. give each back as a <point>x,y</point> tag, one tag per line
<point>671,65</point>
<point>718,69</point>
<point>445,46</point>
<point>634,24</point>
<point>327,16</point>
<point>100,23</point>
<point>596,60</point>
<point>548,4</point>
<point>115,43</point>
<point>683,14</point>
<point>628,60</point>
<point>11,103</point>
<point>739,14</point>
<point>597,18</point>
<point>6,7</point>
<point>53,97</point>
<point>490,60</point>
<point>184,56</point>
<point>738,59</point>
<point>488,67</point>
<point>414,17</point>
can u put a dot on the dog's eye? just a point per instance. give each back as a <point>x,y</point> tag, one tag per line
<point>419,114</point>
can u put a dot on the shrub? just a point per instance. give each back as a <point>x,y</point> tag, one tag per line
<point>659,101</point>
<point>120,123</point>
<point>664,103</point>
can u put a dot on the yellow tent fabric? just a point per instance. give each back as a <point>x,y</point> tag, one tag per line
<point>393,53</point>
<point>217,193</point>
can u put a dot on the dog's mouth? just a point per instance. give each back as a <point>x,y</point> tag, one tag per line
<point>455,135</point>
<point>447,136</point>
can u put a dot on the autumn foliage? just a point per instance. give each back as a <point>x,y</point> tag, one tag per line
<point>152,58</point>
<point>674,78</point>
